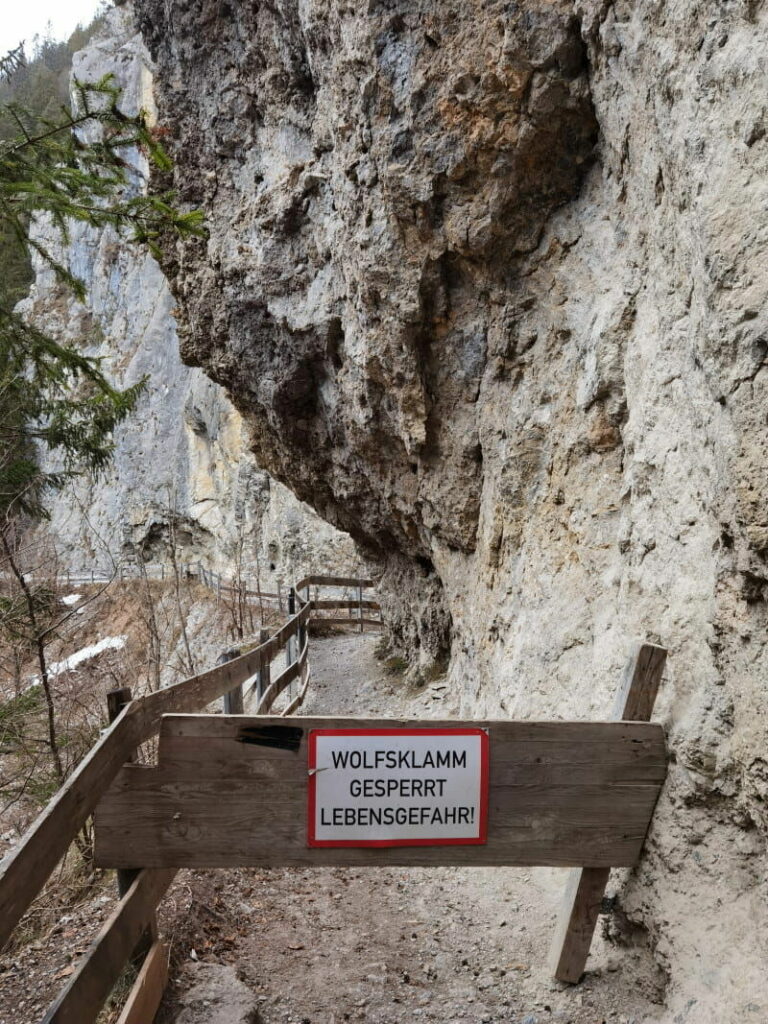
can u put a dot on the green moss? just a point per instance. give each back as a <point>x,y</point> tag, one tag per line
<point>395,666</point>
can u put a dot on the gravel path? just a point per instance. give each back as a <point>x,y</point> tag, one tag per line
<point>390,945</point>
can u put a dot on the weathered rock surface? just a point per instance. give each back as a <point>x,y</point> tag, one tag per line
<point>184,453</point>
<point>488,283</point>
<point>371,176</point>
<point>215,996</point>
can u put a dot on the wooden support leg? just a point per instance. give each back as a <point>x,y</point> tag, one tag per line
<point>116,701</point>
<point>586,886</point>
<point>576,923</point>
<point>147,992</point>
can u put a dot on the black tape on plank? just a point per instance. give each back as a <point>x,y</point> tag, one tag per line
<point>282,737</point>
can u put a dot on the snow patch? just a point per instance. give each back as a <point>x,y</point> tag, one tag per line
<point>71,599</point>
<point>109,643</point>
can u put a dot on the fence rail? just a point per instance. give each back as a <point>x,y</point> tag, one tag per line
<point>244,588</point>
<point>25,870</point>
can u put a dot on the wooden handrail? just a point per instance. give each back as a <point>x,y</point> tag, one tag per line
<point>323,605</point>
<point>333,581</point>
<point>85,994</point>
<point>282,680</point>
<point>26,868</point>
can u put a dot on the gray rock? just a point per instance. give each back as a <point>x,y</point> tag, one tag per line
<point>186,447</point>
<point>213,994</point>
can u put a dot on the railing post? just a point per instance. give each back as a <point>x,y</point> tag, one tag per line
<point>232,701</point>
<point>360,607</point>
<point>290,647</point>
<point>263,668</point>
<point>116,701</point>
<point>265,663</point>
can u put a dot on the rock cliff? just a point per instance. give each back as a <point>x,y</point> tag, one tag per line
<point>184,454</point>
<point>488,284</point>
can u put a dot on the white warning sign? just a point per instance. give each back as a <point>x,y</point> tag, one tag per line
<point>398,787</point>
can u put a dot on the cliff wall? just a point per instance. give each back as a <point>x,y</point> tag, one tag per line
<point>487,283</point>
<point>183,455</point>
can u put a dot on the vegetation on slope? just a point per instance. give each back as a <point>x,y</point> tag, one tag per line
<point>69,164</point>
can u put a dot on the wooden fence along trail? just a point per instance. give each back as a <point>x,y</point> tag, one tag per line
<point>244,588</point>
<point>25,870</point>
<point>562,793</point>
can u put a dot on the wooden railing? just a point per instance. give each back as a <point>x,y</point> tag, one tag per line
<point>243,587</point>
<point>25,870</point>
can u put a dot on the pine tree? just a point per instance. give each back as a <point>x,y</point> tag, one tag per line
<point>70,167</point>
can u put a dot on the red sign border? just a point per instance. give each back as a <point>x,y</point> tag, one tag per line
<point>481,839</point>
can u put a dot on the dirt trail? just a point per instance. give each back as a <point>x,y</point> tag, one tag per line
<point>393,945</point>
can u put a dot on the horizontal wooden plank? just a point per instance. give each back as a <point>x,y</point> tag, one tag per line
<point>561,794</point>
<point>25,869</point>
<point>346,622</point>
<point>244,592</point>
<point>345,604</point>
<point>333,581</point>
<point>146,995</point>
<point>585,752</point>
<point>105,960</point>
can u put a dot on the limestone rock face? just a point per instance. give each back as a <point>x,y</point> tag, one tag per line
<point>370,174</point>
<point>184,453</point>
<point>489,284</point>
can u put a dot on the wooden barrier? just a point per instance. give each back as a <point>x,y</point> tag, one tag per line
<point>578,794</point>
<point>561,793</point>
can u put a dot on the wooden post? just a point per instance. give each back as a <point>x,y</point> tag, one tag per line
<point>279,596</point>
<point>233,701</point>
<point>264,669</point>
<point>586,886</point>
<point>360,606</point>
<point>116,701</point>
<point>265,672</point>
<point>303,627</point>
<point>290,647</point>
